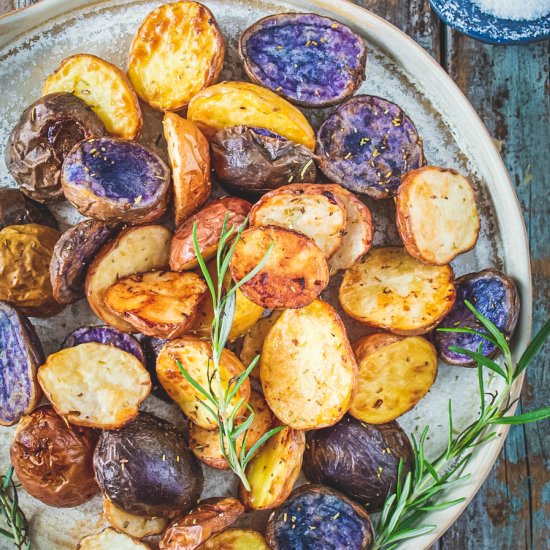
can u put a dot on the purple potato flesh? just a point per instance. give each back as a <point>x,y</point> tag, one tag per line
<point>17,209</point>
<point>310,60</point>
<point>20,356</point>
<point>367,144</point>
<point>496,297</point>
<point>105,335</point>
<point>116,179</point>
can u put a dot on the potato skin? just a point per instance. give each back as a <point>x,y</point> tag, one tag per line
<point>151,347</point>
<point>146,468</point>
<point>47,130</point>
<point>18,209</point>
<point>53,459</point>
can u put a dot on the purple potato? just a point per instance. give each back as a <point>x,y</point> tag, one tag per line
<point>146,468</point>
<point>312,61</point>
<point>72,254</point>
<point>367,144</point>
<point>494,295</point>
<point>20,356</point>
<point>318,518</point>
<point>17,209</point>
<point>359,459</point>
<point>252,161</point>
<point>151,347</point>
<point>105,335</point>
<point>46,132</point>
<point>114,179</point>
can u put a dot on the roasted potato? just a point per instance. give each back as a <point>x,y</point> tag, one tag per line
<point>190,161</point>
<point>115,179</point>
<point>109,539</point>
<point>358,459</point>
<point>208,518</point>
<point>72,254</point>
<point>135,250</point>
<point>230,104</point>
<point>17,209</point>
<point>209,222</point>
<point>20,358</point>
<point>496,297</point>
<point>95,385</point>
<point>53,459</point>
<point>146,468</point>
<point>102,86</point>
<point>159,303</point>
<point>393,291</point>
<point>395,373</point>
<point>132,524</point>
<point>177,51</point>
<point>206,445</point>
<point>274,470</point>
<point>294,274</point>
<point>367,145</point>
<point>436,214</point>
<point>314,210</point>
<point>46,132</point>
<point>311,60</point>
<point>252,161</point>
<point>318,518</point>
<point>195,356</point>
<point>25,255</point>
<point>151,347</point>
<point>308,369</point>
<point>236,539</point>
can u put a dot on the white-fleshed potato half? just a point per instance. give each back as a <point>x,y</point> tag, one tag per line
<point>274,470</point>
<point>95,385</point>
<point>104,87</point>
<point>395,373</point>
<point>393,291</point>
<point>312,209</point>
<point>109,539</point>
<point>130,524</point>
<point>189,155</point>
<point>308,370</point>
<point>236,539</point>
<point>229,104</point>
<point>134,250</point>
<point>358,234</point>
<point>195,356</point>
<point>159,303</point>
<point>295,272</point>
<point>177,51</point>
<point>205,444</point>
<point>437,214</point>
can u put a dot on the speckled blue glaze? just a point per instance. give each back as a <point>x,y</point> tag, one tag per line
<point>20,355</point>
<point>367,144</point>
<point>308,58</point>
<point>495,296</point>
<point>313,519</point>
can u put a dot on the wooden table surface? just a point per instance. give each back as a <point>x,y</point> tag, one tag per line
<point>509,88</point>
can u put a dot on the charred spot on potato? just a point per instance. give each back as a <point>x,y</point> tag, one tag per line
<point>17,209</point>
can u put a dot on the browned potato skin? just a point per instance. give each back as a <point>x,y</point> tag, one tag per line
<point>17,209</point>
<point>53,459</point>
<point>210,517</point>
<point>371,343</point>
<point>209,222</point>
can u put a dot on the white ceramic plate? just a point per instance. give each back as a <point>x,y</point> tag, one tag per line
<point>33,41</point>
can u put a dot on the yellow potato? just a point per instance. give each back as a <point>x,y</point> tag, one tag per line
<point>109,539</point>
<point>236,539</point>
<point>131,524</point>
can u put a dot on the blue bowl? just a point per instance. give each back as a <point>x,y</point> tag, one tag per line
<point>467,17</point>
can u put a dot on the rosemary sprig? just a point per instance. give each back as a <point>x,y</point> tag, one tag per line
<point>402,514</point>
<point>17,527</point>
<point>218,401</point>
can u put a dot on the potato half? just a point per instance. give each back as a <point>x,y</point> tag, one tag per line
<point>135,250</point>
<point>230,104</point>
<point>109,539</point>
<point>195,356</point>
<point>395,373</point>
<point>308,369</point>
<point>394,291</point>
<point>132,524</point>
<point>104,87</point>
<point>437,214</point>
<point>274,470</point>
<point>314,210</point>
<point>177,51</point>
<point>236,539</point>
<point>95,385</point>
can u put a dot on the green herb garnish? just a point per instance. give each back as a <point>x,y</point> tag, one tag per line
<point>16,525</point>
